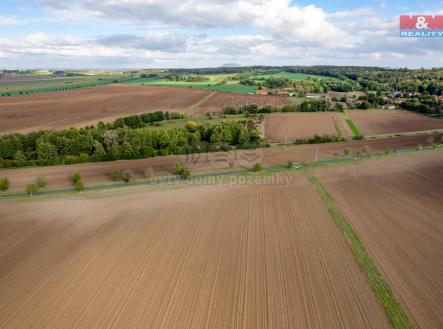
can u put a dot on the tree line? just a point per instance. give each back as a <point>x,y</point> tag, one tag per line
<point>308,105</point>
<point>99,143</point>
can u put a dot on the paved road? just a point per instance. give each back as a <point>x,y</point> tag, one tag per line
<point>174,179</point>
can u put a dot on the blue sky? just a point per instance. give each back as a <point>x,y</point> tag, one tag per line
<point>141,33</point>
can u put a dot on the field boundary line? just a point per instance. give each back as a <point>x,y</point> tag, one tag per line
<point>353,127</point>
<point>406,133</point>
<point>337,128</point>
<point>190,109</point>
<point>397,317</point>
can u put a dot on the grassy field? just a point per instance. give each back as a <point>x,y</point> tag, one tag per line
<point>288,75</point>
<point>33,86</point>
<point>202,120</point>
<point>217,82</point>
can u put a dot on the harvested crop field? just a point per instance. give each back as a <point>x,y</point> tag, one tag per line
<point>374,122</point>
<point>86,106</point>
<point>219,100</point>
<point>286,127</point>
<point>396,207</point>
<point>263,256</point>
<point>98,173</point>
<point>349,94</point>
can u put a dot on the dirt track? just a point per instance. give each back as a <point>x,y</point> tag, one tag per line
<point>93,173</point>
<point>283,127</point>
<point>265,256</point>
<point>396,206</point>
<point>373,122</point>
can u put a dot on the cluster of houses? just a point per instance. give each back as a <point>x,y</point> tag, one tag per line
<point>275,92</point>
<point>393,99</point>
<point>286,92</point>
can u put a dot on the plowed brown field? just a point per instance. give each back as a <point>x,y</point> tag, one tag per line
<point>396,206</point>
<point>373,122</point>
<point>265,256</point>
<point>93,173</point>
<point>219,100</point>
<point>86,106</point>
<point>286,127</point>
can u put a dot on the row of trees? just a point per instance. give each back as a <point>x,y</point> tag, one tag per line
<point>308,105</point>
<point>311,85</point>
<point>141,120</point>
<point>93,144</point>
<point>423,104</point>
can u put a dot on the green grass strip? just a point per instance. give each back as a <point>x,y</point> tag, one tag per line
<point>338,129</point>
<point>394,312</point>
<point>353,127</point>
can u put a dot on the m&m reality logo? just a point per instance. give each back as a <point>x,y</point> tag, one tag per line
<point>421,26</point>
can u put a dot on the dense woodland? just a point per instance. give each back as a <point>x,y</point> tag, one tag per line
<point>105,142</point>
<point>362,78</point>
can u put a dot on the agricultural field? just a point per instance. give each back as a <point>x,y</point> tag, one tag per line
<point>287,75</point>
<point>29,83</point>
<point>101,172</point>
<point>193,257</point>
<point>32,84</point>
<point>82,107</point>
<point>375,122</point>
<point>287,127</point>
<point>350,94</point>
<point>218,101</point>
<point>87,106</point>
<point>396,207</point>
<point>217,82</point>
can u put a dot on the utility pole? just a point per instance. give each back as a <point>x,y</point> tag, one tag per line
<point>316,154</point>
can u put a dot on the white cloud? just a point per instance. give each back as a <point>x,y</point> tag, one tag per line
<point>279,18</point>
<point>211,32</point>
<point>8,20</point>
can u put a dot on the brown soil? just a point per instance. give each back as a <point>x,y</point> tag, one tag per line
<point>266,256</point>
<point>350,94</point>
<point>219,100</point>
<point>396,206</point>
<point>375,122</point>
<point>86,106</point>
<point>283,127</point>
<point>93,173</point>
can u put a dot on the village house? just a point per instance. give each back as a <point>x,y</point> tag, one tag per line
<point>262,92</point>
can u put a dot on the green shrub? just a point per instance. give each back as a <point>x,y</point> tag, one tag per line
<point>78,186</point>
<point>290,164</point>
<point>4,184</point>
<point>76,177</point>
<point>257,167</point>
<point>127,175</point>
<point>41,182</point>
<point>182,171</point>
<point>347,151</point>
<point>116,175</point>
<point>31,189</point>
